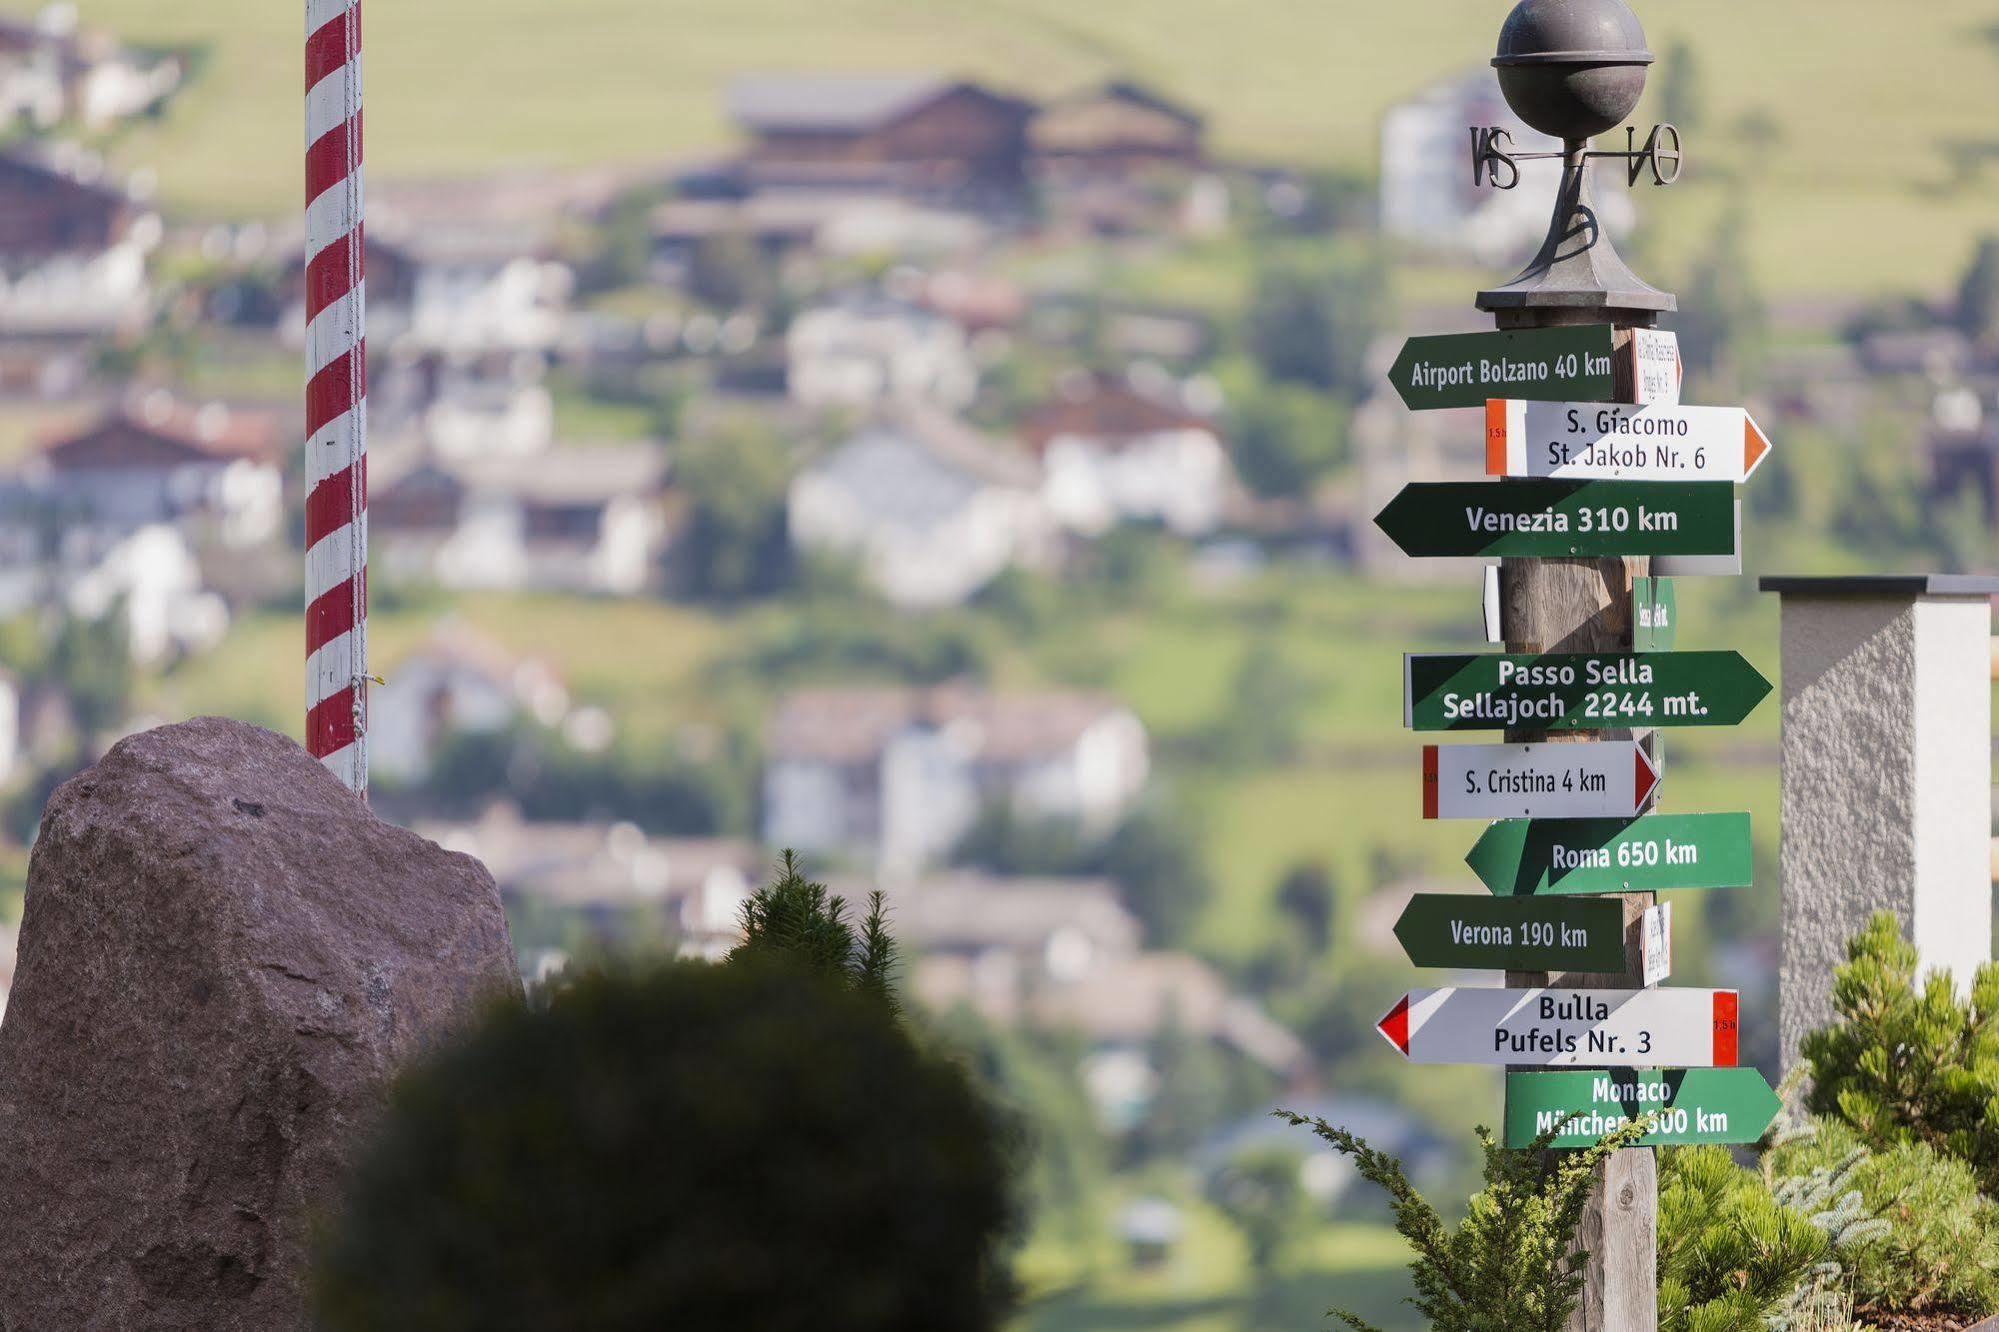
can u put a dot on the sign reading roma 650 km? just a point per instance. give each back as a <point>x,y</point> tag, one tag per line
<point>1578,691</point>
<point>1593,780</point>
<point>1561,857</point>
<point>1685,1028</point>
<point>1584,441</point>
<point>1437,518</point>
<point>1687,1105</point>
<point>1513,933</point>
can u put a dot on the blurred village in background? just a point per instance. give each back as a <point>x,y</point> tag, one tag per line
<point>970,490</point>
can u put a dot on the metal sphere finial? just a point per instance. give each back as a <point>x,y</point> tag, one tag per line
<point>1572,68</point>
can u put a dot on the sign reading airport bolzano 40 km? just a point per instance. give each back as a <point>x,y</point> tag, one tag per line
<point>1558,364</point>
<point>1682,1027</point>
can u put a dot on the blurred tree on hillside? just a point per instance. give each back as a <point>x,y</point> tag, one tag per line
<point>730,273</point>
<point>687,1146</point>
<point>92,662</point>
<point>1978,294</point>
<point>1309,899</point>
<point>1311,318</point>
<point>734,545</point>
<point>1261,1193</point>
<point>1285,438</point>
<point>1261,724</point>
<point>1722,319</point>
<point>1682,87</point>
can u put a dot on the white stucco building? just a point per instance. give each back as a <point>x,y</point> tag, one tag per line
<point>872,353</point>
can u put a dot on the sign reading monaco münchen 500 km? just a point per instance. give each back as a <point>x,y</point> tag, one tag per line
<point>1684,1028</point>
<point>1687,1105</point>
<point>1577,691</point>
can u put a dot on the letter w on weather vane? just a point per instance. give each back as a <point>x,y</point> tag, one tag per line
<point>1495,162</point>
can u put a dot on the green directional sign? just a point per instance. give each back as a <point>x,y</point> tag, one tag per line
<point>1655,615</point>
<point>1513,933</point>
<point>1566,857</point>
<point>1577,691</point>
<point>1562,518</point>
<point>1688,1105</point>
<point>1466,369</point>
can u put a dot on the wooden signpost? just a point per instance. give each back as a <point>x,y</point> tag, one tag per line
<point>1566,857</point>
<point>1518,934</point>
<point>1578,691</point>
<point>1688,1105</point>
<point>1580,441</point>
<point>1603,779</point>
<point>1562,518</point>
<point>1559,1028</point>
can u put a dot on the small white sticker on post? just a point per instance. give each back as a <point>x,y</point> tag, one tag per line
<point>1655,942</point>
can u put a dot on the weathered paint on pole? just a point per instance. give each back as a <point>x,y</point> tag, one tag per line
<point>1557,857</point>
<point>336,396</point>
<point>1688,1105</point>
<point>1686,1028</point>
<point>1587,691</point>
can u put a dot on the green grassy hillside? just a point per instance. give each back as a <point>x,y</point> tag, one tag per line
<point>1874,181</point>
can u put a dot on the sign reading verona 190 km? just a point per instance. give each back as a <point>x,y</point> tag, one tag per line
<point>1583,441</point>
<point>1720,1105</point>
<point>1513,933</point>
<point>1567,857</point>
<point>1437,518</point>
<point>1577,691</point>
<point>1593,780</point>
<point>1685,1028</point>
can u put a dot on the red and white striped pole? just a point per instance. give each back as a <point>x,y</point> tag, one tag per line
<point>336,397</point>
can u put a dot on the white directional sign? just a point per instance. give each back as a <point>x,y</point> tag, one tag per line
<point>1679,1028</point>
<point>1588,441</point>
<point>1604,779</point>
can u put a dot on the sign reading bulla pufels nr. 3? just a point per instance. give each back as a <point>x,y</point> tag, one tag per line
<point>1556,518</point>
<point>1685,1028</point>
<point>1593,780</point>
<point>1559,691</point>
<point>1562,857</point>
<point>1687,1105</point>
<point>1586,441</point>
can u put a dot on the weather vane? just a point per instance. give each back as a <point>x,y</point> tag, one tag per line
<point>1574,69</point>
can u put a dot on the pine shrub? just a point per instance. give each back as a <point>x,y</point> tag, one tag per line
<point>1911,1065</point>
<point>1509,1265</point>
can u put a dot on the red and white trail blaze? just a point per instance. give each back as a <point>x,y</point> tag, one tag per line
<point>336,396</point>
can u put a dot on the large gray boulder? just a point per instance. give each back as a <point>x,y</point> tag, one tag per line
<point>223,958</point>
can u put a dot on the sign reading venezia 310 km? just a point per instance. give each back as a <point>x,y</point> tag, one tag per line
<point>1577,691</point>
<point>1718,1105</point>
<point>1566,857</point>
<point>1686,1028</point>
<point>1439,518</point>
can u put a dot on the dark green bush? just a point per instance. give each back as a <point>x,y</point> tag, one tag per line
<point>691,1147</point>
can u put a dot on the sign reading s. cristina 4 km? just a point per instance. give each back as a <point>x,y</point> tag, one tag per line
<point>1513,933</point>
<point>1441,518</point>
<point>1578,691</point>
<point>1466,369</point>
<point>1566,857</point>
<point>1592,780</point>
<point>1588,441</point>
<point>1684,1028</point>
<point>1687,1105</point>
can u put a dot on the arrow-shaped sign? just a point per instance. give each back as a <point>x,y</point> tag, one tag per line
<point>1513,933</point>
<point>1466,369</point>
<point>1595,779</point>
<point>1566,1028</point>
<point>1582,441</point>
<point>1562,857</point>
<point>1562,518</point>
<point>1577,691</point>
<point>1722,1105</point>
